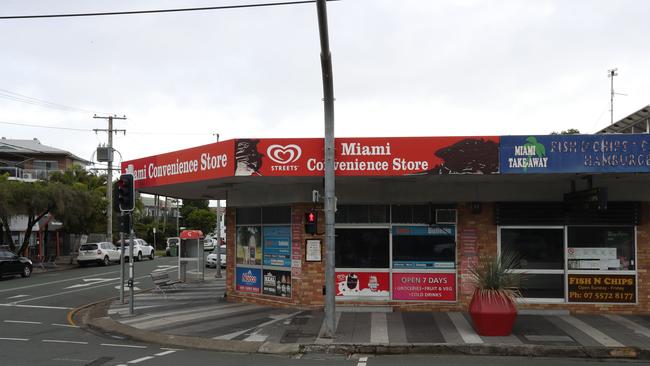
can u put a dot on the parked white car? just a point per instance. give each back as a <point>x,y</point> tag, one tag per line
<point>209,244</point>
<point>101,253</point>
<point>212,258</point>
<point>141,249</point>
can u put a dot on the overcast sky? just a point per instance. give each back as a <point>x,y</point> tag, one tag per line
<point>401,68</point>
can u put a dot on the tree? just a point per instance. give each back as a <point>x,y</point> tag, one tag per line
<point>201,219</point>
<point>570,131</point>
<point>74,197</point>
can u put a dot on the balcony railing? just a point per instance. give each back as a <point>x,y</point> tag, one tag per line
<point>27,174</point>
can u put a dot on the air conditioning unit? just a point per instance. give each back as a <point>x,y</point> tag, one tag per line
<point>28,176</point>
<point>445,216</point>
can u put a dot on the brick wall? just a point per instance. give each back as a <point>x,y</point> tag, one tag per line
<point>307,286</point>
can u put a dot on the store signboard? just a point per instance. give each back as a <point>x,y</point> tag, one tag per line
<point>602,288</point>
<point>277,246</point>
<point>380,156</point>
<point>277,283</point>
<point>204,162</point>
<point>424,286</point>
<point>609,153</point>
<point>248,279</point>
<point>362,284</point>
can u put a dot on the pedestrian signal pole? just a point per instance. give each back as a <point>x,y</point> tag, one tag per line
<point>125,201</point>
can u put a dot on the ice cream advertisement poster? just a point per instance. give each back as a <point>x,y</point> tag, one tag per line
<point>362,284</point>
<point>248,279</point>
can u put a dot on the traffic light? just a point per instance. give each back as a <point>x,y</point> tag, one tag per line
<point>125,223</point>
<point>126,192</point>
<point>311,221</point>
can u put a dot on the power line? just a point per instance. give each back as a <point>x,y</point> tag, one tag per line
<point>175,10</point>
<point>91,130</point>
<point>8,94</point>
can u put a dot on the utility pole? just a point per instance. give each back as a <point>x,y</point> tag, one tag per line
<point>109,175</point>
<point>610,74</point>
<point>328,99</point>
<point>218,273</point>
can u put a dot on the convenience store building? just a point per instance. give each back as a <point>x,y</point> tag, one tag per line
<point>413,214</point>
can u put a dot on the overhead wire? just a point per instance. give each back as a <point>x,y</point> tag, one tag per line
<point>10,95</point>
<point>91,130</point>
<point>154,11</point>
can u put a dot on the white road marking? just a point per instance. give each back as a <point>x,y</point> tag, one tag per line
<point>141,359</point>
<point>164,268</point>
<point>170,349</point>
<point>464,329</point>
<point>361,364</point>
<point>363,359</point>
<point>14,339</point>
<point>378,328</point>
<point>255,336</point>
<point>65,325</point>
<point>629,324</point>
<point>37,307</point>
<point>17,296</point>
<point>21,322</point>
<point>71,291</point>
<point>62,341</point>
<point>121,345</point>
<point>592,332</point>
<point>90,282</point>
<point>53,282</point>
<point>164,353</point>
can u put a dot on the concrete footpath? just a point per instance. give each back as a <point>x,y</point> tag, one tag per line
<point>196,316</point>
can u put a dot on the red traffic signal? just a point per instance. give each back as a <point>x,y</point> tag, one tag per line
<point>311,221</point>
<point>126,192</point>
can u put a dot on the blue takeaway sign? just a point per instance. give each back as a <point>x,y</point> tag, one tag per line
<point>614,153</point>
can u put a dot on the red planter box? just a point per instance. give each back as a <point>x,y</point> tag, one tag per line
<point>492,315</point>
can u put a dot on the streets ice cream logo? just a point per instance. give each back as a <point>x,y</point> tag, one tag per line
<point>532,154</point>
<point>284,155</point>
<point>248,277</point>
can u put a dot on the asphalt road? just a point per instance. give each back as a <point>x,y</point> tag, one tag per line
<point>35,329</point>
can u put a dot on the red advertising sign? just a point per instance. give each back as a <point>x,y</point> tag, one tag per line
<point>362,284</point>
<point>424,286</point>
<point>376,156</point>
<point>190,165</point>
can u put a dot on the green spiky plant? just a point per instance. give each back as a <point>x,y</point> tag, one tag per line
<point>494,278</point>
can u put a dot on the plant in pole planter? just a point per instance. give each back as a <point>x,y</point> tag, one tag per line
<point>493,306</point>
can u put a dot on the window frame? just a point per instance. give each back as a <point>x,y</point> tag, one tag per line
<point>566,271</point>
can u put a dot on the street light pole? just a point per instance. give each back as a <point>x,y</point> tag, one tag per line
<point>328,99</point>
<point>218,273</point>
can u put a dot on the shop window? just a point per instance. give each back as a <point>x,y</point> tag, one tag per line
<point>362,248</point>
<point>423,247</point>
<point>276,215</point>
<point>543,286</point>
<point>249,245</point>
<point>362,214</point>
<point>249,216</point>
<point>601,248</point>
<point>539,248</point>
<point>541,251</point>
<point>411,214</point>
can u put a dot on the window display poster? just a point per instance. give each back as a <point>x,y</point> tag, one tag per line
<point>424,286</point>
<point>603,288</point>
<point>362,284</point>
<point>277,283</point>
<point>277,246</point>
<point>249,245</point>
<point>248,279</point>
